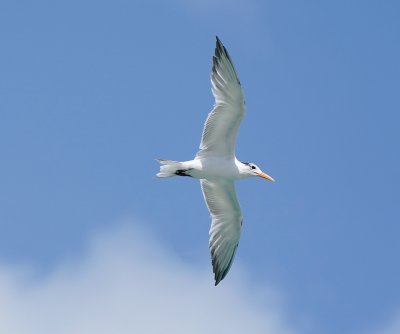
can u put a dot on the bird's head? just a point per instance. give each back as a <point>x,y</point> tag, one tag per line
<point>251,169</point>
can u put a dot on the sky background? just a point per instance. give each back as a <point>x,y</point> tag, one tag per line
<point>91,92</point>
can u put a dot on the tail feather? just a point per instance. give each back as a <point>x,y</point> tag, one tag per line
<point>168,168</point>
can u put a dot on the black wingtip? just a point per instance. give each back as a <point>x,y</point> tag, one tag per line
<point>219,273</point>
<point>218,44</point>
<point>217,279</point>
<point>221,51</point>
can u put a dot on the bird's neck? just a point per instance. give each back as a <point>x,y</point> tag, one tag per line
<point>242,168</point>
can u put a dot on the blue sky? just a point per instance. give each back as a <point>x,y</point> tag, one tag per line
<point>92,91</point>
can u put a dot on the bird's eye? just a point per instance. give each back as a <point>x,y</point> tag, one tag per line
<point>253,167</point>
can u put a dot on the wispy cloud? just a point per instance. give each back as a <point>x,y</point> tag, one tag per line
<point>128,282</point>
<point>392,327</point>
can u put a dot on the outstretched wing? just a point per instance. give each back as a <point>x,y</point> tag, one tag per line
<point>226,224</point>
<point>222,124</point>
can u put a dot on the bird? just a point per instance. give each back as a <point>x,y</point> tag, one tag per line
<point>216,165</point>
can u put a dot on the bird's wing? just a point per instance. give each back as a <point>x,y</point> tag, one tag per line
<point>222,124</point>
<point>226,224</point>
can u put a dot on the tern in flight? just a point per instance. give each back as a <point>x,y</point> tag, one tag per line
<point>215,164</point>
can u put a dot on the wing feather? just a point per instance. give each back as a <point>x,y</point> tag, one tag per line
<point>226,224</point>
<point>222,124</point>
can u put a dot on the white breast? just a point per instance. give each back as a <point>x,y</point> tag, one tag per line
<point>214,167</point>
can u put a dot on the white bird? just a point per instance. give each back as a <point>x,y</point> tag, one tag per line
<point>216,165</point>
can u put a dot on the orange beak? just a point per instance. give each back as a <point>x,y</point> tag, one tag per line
<point>266,176</point>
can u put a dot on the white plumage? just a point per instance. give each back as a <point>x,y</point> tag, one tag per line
<point>216,165</point>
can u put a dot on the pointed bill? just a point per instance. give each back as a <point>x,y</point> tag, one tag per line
<point>266,176</point>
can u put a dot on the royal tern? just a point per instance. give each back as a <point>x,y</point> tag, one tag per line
<point>215,164</point>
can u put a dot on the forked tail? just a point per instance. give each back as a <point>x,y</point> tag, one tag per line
<point>169,168</point>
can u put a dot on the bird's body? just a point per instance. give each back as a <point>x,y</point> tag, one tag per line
<point>211,168</point>
<point>215,164</point>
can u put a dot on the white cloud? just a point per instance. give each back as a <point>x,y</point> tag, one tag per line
<point>128,282</point>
